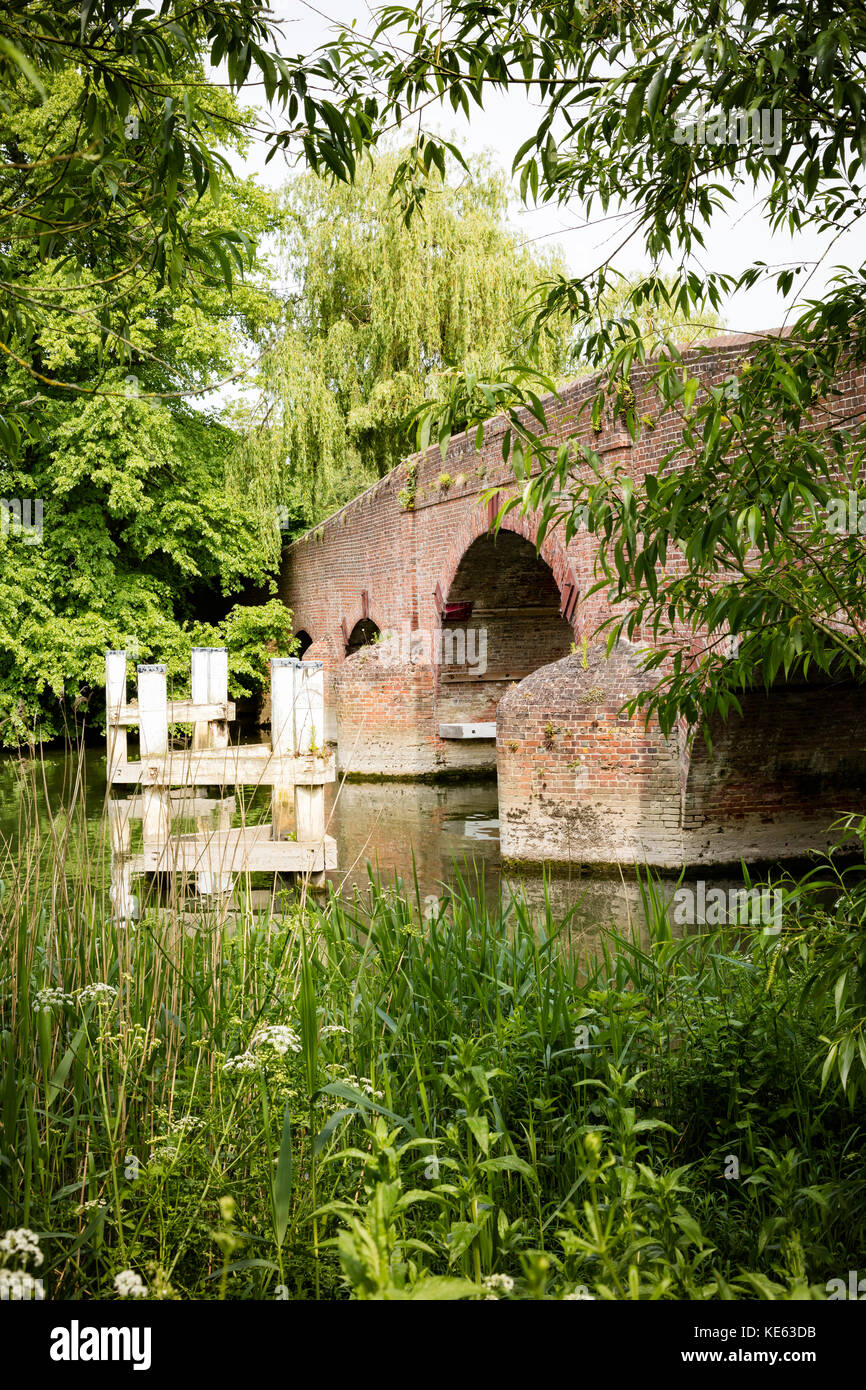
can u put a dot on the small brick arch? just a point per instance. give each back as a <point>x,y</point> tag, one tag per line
<point>362,629</point>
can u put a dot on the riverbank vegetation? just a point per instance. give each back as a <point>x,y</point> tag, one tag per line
<point>380,1099</point>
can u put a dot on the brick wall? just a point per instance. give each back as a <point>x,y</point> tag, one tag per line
<point>578,782</point>
<point>385,714</point>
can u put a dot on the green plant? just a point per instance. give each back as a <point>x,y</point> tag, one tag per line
<point>348,1099</point>
<point>406,496</point>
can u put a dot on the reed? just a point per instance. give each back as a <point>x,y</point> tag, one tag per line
<point>323,1099</point>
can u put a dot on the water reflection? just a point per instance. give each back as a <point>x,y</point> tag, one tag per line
<point>409,831</point>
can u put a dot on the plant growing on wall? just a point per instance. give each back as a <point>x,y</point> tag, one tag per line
<point>406,496</point>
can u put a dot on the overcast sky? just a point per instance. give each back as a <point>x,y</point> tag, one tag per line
<point>734,241</point>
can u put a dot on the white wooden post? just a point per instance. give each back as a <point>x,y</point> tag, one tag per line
<point>115,696</point>
<point>124,901</point>
<point>282,739</point>
<point>210,685</point>
<point>153,737</point>
<point>309,738</point>
<point>310,707</point>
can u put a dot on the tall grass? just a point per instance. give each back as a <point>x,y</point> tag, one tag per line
<point>346,1098</point>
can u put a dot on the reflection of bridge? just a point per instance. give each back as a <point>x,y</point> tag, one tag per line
<point>432,631</point>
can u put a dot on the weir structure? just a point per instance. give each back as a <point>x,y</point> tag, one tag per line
<point>170,780</point>
<point>451,649</point>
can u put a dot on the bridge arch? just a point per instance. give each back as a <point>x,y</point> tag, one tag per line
<point>477,523</point>
<point>501,618</point>
<point>363,633</point>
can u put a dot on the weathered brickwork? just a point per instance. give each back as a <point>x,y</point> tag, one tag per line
<point>779,776</point>
<point>606,791</point>
<point>581,783</point>
<point>385,713</point>
<point>578,782</point>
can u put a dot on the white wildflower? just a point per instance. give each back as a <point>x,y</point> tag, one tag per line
<point>581,1294</point>
<point>165,1152</point>
<point>128,1284</point>
<point>185,1124</point>
<point>499,1283</point>
<point>51,998</point>
<point>244,1062</point>
<point>97,993</point>
<point>367,1085</point>
<point>281,1038</point>
<point>333,1028</point>
<point>363,1083</point>
<point>23,1243</point>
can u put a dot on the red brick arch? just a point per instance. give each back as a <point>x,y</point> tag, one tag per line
<point>476,523</point>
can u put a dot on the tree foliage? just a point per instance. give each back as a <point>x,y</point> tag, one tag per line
<point>102,186</point>
<point>139,534</point>
<point>380,313</point>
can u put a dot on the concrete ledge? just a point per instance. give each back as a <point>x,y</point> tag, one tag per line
<point>479,731</point>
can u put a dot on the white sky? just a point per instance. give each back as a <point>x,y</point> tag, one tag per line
<point>734,241</point>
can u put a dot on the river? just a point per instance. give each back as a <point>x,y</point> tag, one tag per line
<point>400,831</point>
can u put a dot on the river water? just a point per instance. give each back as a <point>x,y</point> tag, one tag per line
<point>400,831</point>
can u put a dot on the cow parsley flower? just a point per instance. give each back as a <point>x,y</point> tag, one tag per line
<point>186,1124</point>
<point>50,998</point>
<point>499,1283</point>
<point>22,1243</point>
<point>97,993</point>
<point>281,1038</point>
<point>94,1204</point>
<point>244,1062</point>
<point>128,1284</point>
<point>362,1083</point>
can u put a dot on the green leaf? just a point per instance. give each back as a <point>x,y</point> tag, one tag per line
<point>283,1178</point>
<point>23,63</point>
<point>343,1091</point>
<point>61,1072</point>
<point>508,1163</point>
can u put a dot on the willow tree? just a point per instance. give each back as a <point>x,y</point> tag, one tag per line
<point>379,314</point>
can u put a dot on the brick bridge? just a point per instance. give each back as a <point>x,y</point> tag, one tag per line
<point>449,651</point>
